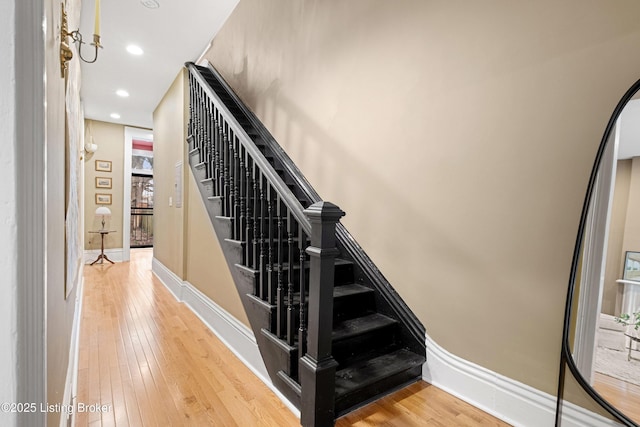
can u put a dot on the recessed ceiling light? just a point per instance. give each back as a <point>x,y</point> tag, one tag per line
<point>134,50</point>
<point>115,115</point>
<point>123,93</point>
<point>150,4</point>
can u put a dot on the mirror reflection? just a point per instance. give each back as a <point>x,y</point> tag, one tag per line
<point>606,338</point>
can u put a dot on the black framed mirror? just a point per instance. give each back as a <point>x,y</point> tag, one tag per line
<point>582,297</point>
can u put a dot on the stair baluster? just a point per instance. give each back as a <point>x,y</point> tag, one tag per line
<point>302,329</point>
<point>291,321</point>
<point>209,138</point>
<point>232,199</point>
<point>201,129</point>
<point>235,180</point>
<point>264,280</point>
<point>198,123</point>
<point>280,291</point>
<point>218,154</point>
<point>249,259</point>
<point>256,217</point>
<point>270,241</point>
<point>243,199</point>
<point>191,100</point>
<point>226,193</point>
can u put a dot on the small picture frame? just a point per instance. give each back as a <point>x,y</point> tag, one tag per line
<point>103,199</point>
<point>631,266</point>
<point>103,182</point>
<point>103,165</point>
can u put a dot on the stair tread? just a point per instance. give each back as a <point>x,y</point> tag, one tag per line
<point>370,371</point>
<point>339,291</point>
<point>361,325</point>
<point>350,289</point>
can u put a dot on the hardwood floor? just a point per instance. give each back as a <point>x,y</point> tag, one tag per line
<point>152,362</point>
<point>623,395</point>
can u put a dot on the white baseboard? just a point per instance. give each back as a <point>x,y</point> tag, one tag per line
<point>168,278</point>
<point>233,333</point>
<point>71,382</point>
<point>115,255</point>
<point>509,400</point>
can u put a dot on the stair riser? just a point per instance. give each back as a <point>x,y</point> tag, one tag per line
<point>349,350</point>
<point>347,307</point>
<point>375,391</point>
<point>352,306</point>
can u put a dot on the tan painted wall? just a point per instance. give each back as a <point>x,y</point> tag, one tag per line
<point>185,241</point>
<point>109,137</point>
<point>59,310</point>
<point>457,136</point>
<point>168,149</point>
<point>207,269</point>
<point>615,252</point>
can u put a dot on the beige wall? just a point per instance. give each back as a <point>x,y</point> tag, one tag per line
<point>615,251</point>
<point>59,311</point>
<point>184,239</point>
<point>206,266</point>
<point>109,137</point>
<point>168,149</point>
<point>457,136</point>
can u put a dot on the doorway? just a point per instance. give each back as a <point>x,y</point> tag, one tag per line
<point>141,224</point>
<point>138,177</point>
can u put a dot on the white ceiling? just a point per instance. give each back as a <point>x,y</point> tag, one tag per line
<point>170,35</point>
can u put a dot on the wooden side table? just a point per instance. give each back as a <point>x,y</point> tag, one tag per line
<point>102,256</point>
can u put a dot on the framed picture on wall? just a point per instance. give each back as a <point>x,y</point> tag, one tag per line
<point>103,165</point>
<point>103,182</point>
<point>103,199</point>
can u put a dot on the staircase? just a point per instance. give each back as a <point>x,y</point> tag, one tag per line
<point>332,332</point>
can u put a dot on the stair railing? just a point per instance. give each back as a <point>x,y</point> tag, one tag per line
<point>274,226</point>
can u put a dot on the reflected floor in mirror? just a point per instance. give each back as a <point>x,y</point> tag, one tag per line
<point>623,395</point>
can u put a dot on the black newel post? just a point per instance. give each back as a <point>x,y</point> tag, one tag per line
<point>317,367</point>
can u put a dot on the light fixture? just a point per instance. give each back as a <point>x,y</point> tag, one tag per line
<point>115,115</point>
<point>150,4</point>
<point>135,50</point>
<point>103,211</point>
<point>91,147</point>
<point>65,52</point>
<point>122,93</point>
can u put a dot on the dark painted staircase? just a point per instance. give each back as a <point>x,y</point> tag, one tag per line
<point>332,332</point>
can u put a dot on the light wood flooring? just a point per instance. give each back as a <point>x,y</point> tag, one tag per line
<point>153,362</point>
<point>621,394</point>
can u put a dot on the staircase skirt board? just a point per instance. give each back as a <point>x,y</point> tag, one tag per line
<point>376,342</point>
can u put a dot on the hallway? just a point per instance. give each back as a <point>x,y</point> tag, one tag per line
<point>153,362</point>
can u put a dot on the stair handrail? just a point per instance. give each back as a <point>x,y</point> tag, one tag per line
<point>345,239</point>
<point>317,366</point>
<point>289,199</point>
